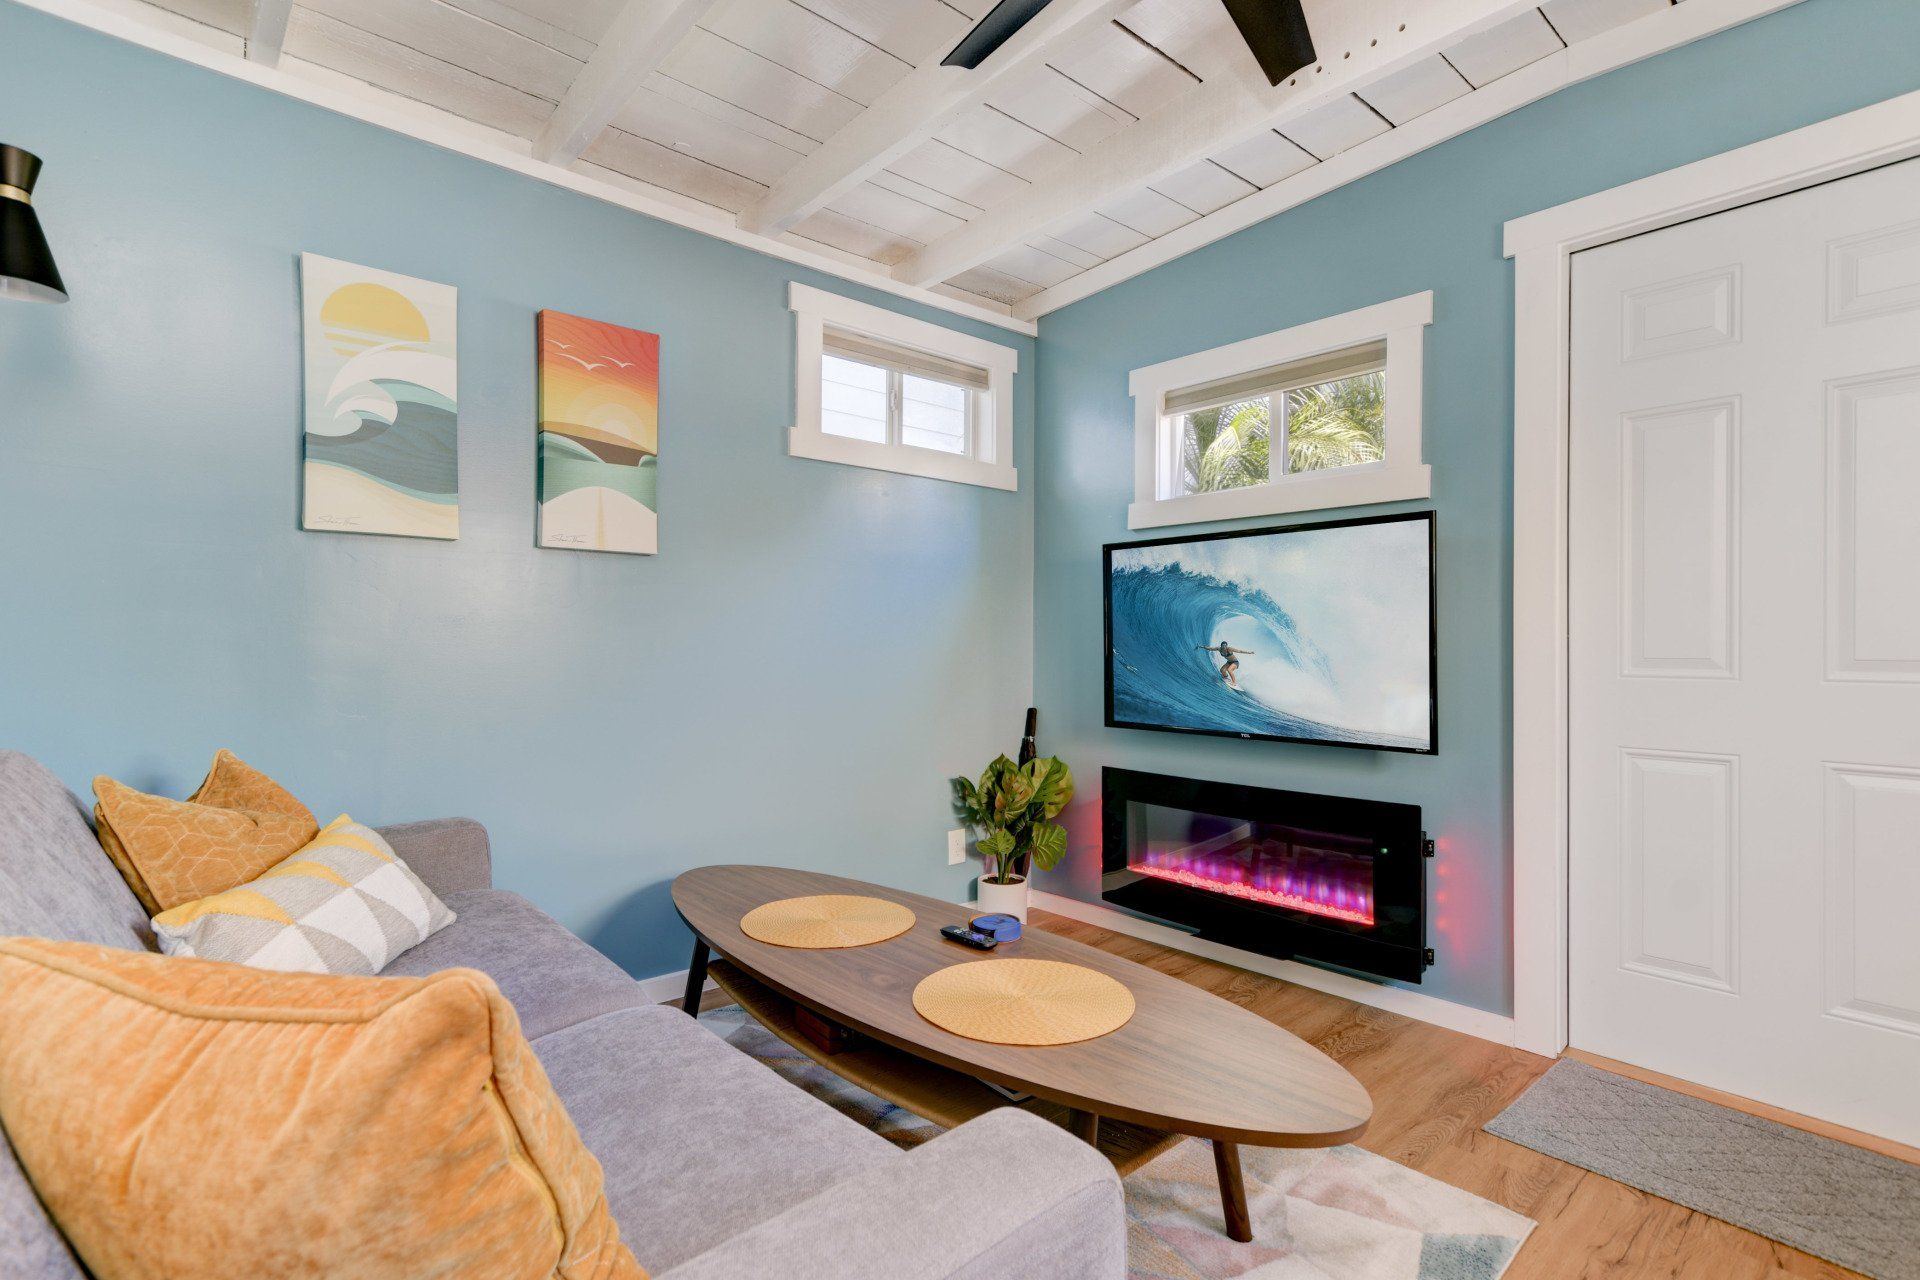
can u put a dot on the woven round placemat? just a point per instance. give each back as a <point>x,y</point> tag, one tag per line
<point>1023,1001</point>
<point>826,920</point>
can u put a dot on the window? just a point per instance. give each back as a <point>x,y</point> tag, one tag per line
<point>1297,420</point>
<point>877,389</point>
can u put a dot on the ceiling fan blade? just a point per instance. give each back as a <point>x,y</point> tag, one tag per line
<point>1276,31</point>
<point>993,31</point>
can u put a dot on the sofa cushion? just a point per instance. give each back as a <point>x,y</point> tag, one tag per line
<point>236,825</point>
<point>31,1247</point>
<point>54,880</point>
<point>188,1118</point>
<point>698,1141</point>
<point>553,978</point>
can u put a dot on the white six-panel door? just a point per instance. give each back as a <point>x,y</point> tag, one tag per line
<point>1744,662</point>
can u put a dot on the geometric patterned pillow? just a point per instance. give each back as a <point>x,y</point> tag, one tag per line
<point>343,904</point>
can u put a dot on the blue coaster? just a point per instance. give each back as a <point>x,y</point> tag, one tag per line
<point>1001,928</point>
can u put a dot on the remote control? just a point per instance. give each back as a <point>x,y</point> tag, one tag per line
<point>968,937</point>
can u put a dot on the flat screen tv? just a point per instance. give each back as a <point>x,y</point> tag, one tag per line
<point>1317,633</point>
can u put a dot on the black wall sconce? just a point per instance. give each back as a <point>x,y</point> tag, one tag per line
<point>26,263</point>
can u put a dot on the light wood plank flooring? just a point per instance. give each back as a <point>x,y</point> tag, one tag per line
<point>1433,1089</point>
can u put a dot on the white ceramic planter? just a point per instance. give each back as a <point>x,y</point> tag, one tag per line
<point>1003,899</point>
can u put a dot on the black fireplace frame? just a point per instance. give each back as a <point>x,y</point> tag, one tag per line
<point>1394,946</point>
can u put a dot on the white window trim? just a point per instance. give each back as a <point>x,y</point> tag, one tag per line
<point>814,309</point>
<point>1401,475</point>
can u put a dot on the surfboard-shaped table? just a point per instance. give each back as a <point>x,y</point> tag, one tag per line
<point>1186,1063</point>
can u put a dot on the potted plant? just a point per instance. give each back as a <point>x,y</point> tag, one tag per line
<point>1012,808</point>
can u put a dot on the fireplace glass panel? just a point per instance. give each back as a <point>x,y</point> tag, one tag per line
<point>1320,873</point>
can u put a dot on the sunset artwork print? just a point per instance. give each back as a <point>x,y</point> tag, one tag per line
<point>382,441</point>
<point>599,435</point>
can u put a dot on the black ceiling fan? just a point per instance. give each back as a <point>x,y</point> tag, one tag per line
<point>1275,30</point>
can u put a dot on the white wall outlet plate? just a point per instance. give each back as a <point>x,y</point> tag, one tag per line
<point>956,846</point>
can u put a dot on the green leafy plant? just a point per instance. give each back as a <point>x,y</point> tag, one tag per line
<point>1012,806</point>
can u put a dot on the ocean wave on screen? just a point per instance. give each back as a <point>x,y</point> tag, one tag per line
<point>1162,617</point>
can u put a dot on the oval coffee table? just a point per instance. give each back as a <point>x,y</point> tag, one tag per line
<point>1186,1063</point>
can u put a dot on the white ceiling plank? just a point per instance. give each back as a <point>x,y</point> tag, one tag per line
<point>1373,38</point>
<point>899,213</point>
<point>910,30</point>
<point>1503,50</point>
<point>928,100</point>
<point>1035,266</point>
<point>802,41</point>
<point>1585,19</point>
<point>1122,70</point>
<point>1061,109</point>
<point>730,112</point>
<point>1428,83</point>
<point>1099,236</point>
<point>1264,159</point>
<point>458,37</point>
<point>642,35</point>
<point>337,46</point>
<point>954,173</point>
<point>854,236</point>
<point>566,38</point>
<point>267,30</point>
<point>231,16</point>
<point>682,128</point>
<point>648,161</point>
<point>989,134</point>
<point>1147,212</point>
<point>1204,187</point>
<point>998,286</point>
<point>1330,129</point>
<point>888,180</point>
<point>725,70</point>
<point>1068,253</point>
<point>1197,34</point>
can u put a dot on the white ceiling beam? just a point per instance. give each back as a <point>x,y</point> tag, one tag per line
<point>1359,41</point>
<point>642,34</point>
<point>267,31</point>
<point>919,105</point>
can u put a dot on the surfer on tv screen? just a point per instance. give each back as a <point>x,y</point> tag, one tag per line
<point>1232,663</point>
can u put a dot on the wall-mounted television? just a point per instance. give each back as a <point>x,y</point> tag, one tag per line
<point>1318,633</point>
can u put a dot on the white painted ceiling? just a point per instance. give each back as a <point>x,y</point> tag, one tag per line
<point>756,86</point>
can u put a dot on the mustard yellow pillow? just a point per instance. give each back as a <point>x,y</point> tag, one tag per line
<point>190,1118</point>
<point>239,823</point>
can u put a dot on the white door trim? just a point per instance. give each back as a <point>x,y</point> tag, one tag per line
<point>1542,246</point>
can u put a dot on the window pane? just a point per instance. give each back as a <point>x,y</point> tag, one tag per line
<point>1337,424</point>
<point>1223,448</point>
<point>933,415</point>
<point>853,399</point>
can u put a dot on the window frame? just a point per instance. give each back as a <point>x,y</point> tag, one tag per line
<point>1402,474</point>
<point>989,462</point>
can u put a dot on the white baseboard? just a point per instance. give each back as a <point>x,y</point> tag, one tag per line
<point>670,986</point>
<point>1411,1004</point>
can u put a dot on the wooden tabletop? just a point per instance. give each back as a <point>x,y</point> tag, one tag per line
<point>1186,1061</point>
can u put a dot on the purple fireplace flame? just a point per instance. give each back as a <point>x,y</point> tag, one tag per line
<point>1322,882</point>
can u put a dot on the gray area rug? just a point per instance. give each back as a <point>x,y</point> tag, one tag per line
<point>1837,1202</point>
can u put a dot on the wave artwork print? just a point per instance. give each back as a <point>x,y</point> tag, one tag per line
<point>599,435</point>
<point>382,392</point>
<point>1320,633</point>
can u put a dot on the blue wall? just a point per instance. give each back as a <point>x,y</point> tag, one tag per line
<point>1430,222</point>
<point>789,681</point>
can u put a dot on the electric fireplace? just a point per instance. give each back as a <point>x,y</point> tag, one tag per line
<point>1282,873</point>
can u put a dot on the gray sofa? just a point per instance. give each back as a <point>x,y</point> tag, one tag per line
<point>715,1166</point>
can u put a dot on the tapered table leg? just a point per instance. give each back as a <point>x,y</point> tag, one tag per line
<point>1233,1190</point>
<point>696,979</point>
<point>1085,1126</point>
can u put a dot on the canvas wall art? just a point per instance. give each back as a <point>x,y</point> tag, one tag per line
<point>1316,633</point>
<point>382,392</point>
<point>599,435</point>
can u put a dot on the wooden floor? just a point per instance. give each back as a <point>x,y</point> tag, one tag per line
<point>1433,1089</point>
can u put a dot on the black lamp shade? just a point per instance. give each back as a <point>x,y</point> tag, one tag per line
<point>26,263</point>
